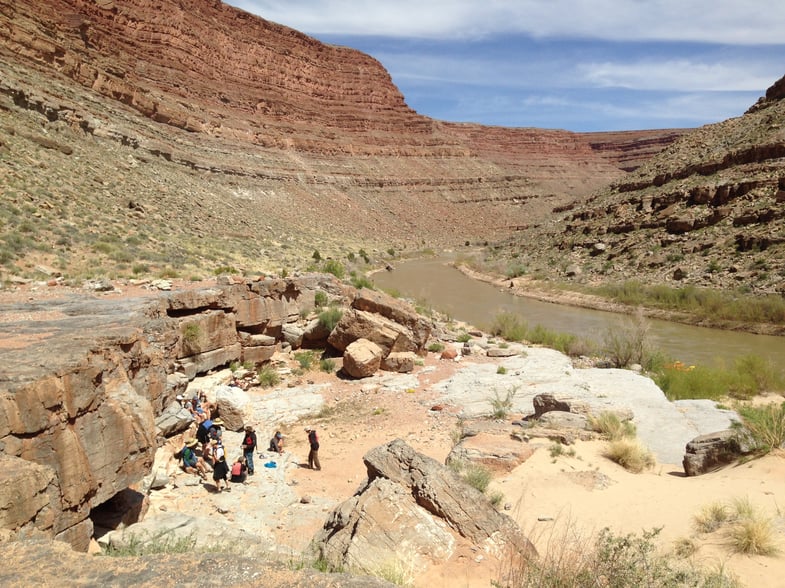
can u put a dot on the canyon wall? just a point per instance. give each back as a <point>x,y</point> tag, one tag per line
<point>215,90</point>
<point>82,380</point>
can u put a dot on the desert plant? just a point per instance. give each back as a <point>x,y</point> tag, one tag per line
<point>477,477</point>
<point>320,298</point>
<point>362,282</point>
<point>435,347</point>
<point>765,424</point>
<point>162,544</point>
<point>501,370</point>
<point>334,267</point>
<point>572,560</point>
<point>630,454</point>
<point>268,376</point>
<point>327,365</point>
<point>305,359</point>
<point>753,536</point>
<point>399,572</point>
<point>502,405</point>
<point>509,326</point>
<point>463,338</point>
<point>610,426</point>
<point>329,317</point>
<point>557,450</point>
<point>711,517</point>
<point>629,343</point>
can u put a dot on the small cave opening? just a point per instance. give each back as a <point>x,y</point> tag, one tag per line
<point>124,508</point>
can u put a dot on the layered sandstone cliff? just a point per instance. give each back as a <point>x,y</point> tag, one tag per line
<point>207,116</point>
<point>705,211</point>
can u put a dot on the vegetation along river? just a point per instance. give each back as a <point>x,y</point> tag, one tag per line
<point>437,284</point>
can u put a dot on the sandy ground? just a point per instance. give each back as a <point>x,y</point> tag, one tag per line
<point>581,493</point>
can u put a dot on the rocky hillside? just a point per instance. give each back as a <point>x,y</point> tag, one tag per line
<point>179,136</point>
<point>707,210</point>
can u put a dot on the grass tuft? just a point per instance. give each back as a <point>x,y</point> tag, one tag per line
<point>630,454</point>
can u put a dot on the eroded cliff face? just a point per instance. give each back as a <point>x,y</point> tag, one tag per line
<point>82,380</point>
<point>707,211</point>
<point>311,140</point>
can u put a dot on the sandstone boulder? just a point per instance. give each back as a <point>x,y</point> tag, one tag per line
<point>706,453</point>
<point>546,403</point>
<point>397,311</point>
<point>174,419</point>
<point>498,451</point>
<point>231,403</point>
<point>362,358</point>
<point>364,532</point>
<point>399,361</point>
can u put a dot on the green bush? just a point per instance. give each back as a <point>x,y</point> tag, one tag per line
<point>268,376</point>
<point>362,282</point>
<point>320,298</point>
<point>435,347</point>
<point>306,359</point>
<point>334,267</point>
<point>327,365</point>
<point>610,426</point>
<point>629,343</point>
<point>502,405</point>
<point>509,326</point>
<point>463,338</point>
<point>477,477</point>
<point>765,424</point>
<point>330,317</point>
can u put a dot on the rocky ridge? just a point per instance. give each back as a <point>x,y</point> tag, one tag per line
<point>196,129</point>
<point>705,211</point>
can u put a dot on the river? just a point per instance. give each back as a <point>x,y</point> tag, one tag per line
<point>437,284</point>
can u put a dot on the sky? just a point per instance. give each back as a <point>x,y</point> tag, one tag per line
<point>580,65</point>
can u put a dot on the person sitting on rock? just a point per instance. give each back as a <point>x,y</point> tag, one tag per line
<point>239,469</point>
<point>216,430</point>
<point>192,463</point>
<point>276,443</point>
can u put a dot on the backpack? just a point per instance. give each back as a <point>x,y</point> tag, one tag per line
<point>249,444</point>
<point>187,455</point>
<point>202,433</point>
<point>237,468</point>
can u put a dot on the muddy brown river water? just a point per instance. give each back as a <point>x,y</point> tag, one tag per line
<point>437,284</point>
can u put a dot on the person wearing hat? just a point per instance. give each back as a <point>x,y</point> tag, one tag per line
<point>221,468</point>
<point>313,454</point>
<point>215,431</point>
<point>193,464</point>
<point>248,447</point>
<point>276,443</point>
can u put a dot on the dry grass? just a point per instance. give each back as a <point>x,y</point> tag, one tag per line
<point>610,426</point>
<point>745,529</point>
<point>711,517</point>
<point>630,454</point>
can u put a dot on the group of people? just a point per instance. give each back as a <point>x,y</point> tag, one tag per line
<point>198,406</point>
<point>212,455</point>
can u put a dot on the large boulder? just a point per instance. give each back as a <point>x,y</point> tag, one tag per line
<point>231,403</point>
<point>174,419</point>
<point>401,362</point>
<point>397,311</point>
<point>362,358</point>
<point>438,508</point>
<point>706,453</point>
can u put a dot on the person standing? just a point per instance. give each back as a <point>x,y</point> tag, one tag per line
<point>248,446</point>
<point>221,468</point>
<point>313,455</point>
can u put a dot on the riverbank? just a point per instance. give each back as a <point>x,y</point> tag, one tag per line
<point>530,288</point>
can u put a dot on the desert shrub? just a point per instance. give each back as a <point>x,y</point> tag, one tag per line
<point>610,426</point>
<point>630,454</point>
<point>327,365</point>
<point>609,560</point>
<point>508,326</point>
<point>501,370</point>
<point>268,376</point>
<point>436,347</point>
<point>398,572</point>
<point>540,335</point>
<point>515,270</point>
<point>334,267</point>
<point>750,531</point>
<point>558,450</point>
<point>754,375</point>
<point>629,343</point>
<point>362,282</point>
<point>680,382</point>
<point>329,317</point>
<point>711,517</point>
<point>463,338</point>
<point>502,405</point>
<point>765,424</point>
<point>477,477</point>
<point>305,359</point>
<point>224,269</point>
<point>164,544</point>
<point>320,298</point>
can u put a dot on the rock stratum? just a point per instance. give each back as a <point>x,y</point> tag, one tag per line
<point>707,211</point>
<point>222,138</point>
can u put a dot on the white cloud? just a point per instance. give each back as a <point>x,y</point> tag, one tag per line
<point>746,23</point>
<point>680,75</point>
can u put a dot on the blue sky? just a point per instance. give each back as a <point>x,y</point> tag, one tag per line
<point>581,65</point>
